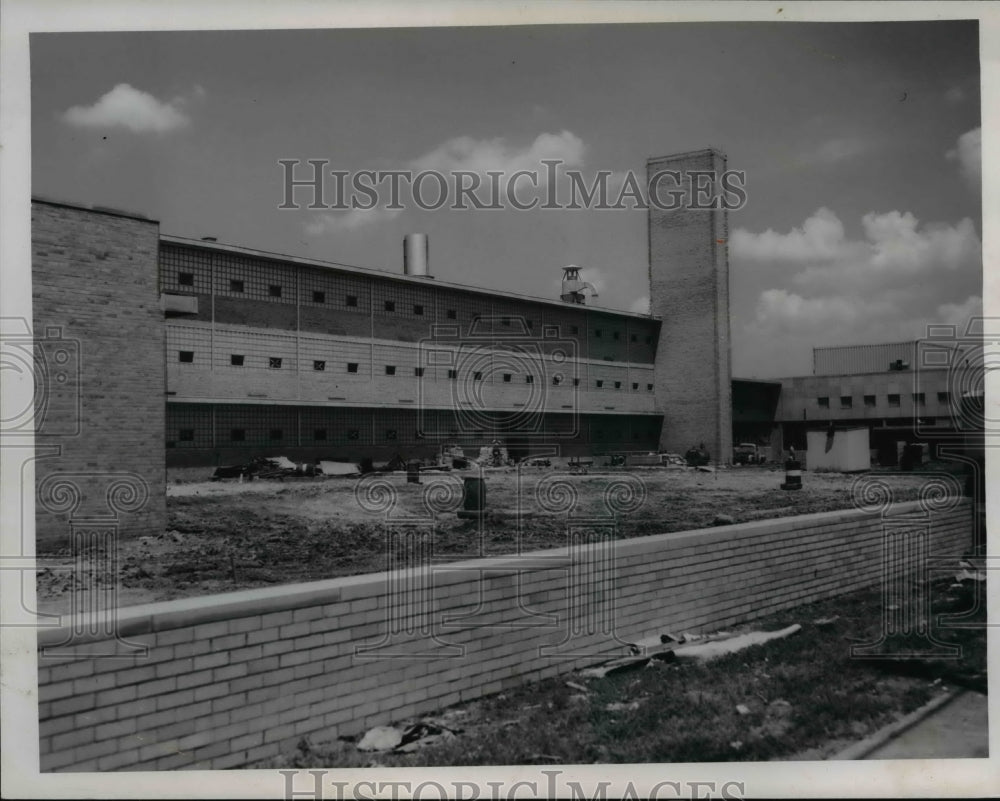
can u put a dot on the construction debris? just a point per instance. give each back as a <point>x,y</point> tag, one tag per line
<point>576,686</point>
<point>743,709</point>
<point>713,649</point>
<point>381,738</point>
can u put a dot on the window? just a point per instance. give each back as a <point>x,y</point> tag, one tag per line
<point>944,397</point>
<point>418,372</point>
<point>237,434</point>
<point>351,300</point>
<point>615,335</point>
<point>618,384</point>
<point>824,402</point>
<point>599,382</point>
<point>477,376</point>
<point>353,433</point>
<point>390,433</point>
<point>919,399</point>
<point>319,365</point>
<point>530,324</point>
<point>870,401</point>
<point>635,386</point>
<point>574,329</point>
<point>505,321</point>
<point>893,399</point>
<point>846,402</point>
<point>633,338</point>
<point>185,279</point>
<point>506,378</point>
<point>451,314</point>
<point>319,297</point>
<point>236,359</point>
<point>319,434</point>
<point>649,387</point>
<point>352,367</point>
<point>576,382</point>
<point>597,332</point>
<point>235,285</point>
<point>649,340</point>
<point>186,435</point>
<point>453,374</point>
<point>390,305</point>
<point>418,308</point>
<point>186,356</point>
<point>529,379</point>
<point>390,369</point>
<point>274,362</point>
<point>275,433</point>
<point>274,291</point>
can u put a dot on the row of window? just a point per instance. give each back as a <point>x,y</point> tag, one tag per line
<point>238,286</point>
<point>278,434</point>
<point>319,365</point>
<point>871,401</point>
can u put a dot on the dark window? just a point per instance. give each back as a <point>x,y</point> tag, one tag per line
<point>635,386</point>
<point>319,433</point>
<point>235,285</point>
<point>618,384</point>
<point>576,382</point>
<point>351,300</point>
<point>505,321</point>
<point>319,364</point>
<point>574,329</point>
<point>274,362</point>
<point>615,335</point>
<point>649,340</point>
<point>390,369</point>
<point>237,434</point>
<point>236,359</point>
<point>506,378</point>
<point>352,367</point>
<point>893,399</point>
<point>186,435</point>
<point>919,398</point>
<point>846,402</point>
<point>185,279</point>
<point>319,297</point>
<point>451,314</point>
<point>870,401</point>
<point>649,387</point>
<point>390,433</point>
<point>944,397</point>
<point>530,323</point>
<point>418,309</point>
<point>274,291</point>
<point>477,376</point>
<point>633,338</point>
<point>418,372</point>
<point>453,374</point>
<point>390,305</point>
<point>824,403</point>
<point>275,433</point>
<point>353,433</point>
<point>597,332</point>
<point>186,356</point>
<point>599,382</point>
<point>529,379</point>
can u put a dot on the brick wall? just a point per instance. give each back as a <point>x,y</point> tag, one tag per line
<point>100,408</point>
<point>689,291</point>
<point>235,678</point>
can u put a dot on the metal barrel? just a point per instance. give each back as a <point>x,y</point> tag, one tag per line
<point>793,475</point>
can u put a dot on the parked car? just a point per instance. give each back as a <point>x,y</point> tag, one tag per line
<point>748,453</point>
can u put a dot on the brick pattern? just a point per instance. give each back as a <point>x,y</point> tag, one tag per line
<point>94,283</point>
<point>242,677</point>
<point>689,291</point>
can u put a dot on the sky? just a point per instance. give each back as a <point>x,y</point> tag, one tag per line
<point>860,143</point>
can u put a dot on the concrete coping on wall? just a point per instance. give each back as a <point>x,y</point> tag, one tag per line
<point>166,615</point>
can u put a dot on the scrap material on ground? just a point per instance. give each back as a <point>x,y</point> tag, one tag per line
<point>226,535</point>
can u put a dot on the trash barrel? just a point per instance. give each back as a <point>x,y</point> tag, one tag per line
<point>474,498</point>
<point>413,473</point>
<point>793,475</point>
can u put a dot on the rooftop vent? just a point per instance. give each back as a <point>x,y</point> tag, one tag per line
<point>573,288</point>
<point>899,365</point>
<point>416,251</point>
<point>209,239</point>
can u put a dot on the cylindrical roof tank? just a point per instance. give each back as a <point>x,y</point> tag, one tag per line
<point>416,251</point>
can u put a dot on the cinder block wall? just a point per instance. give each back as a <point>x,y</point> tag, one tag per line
<point>232,679</point>
<point>100,403</point>
<point>689,291</point>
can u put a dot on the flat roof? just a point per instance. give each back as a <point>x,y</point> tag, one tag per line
<point>113,212</point>
<point>378,273</point>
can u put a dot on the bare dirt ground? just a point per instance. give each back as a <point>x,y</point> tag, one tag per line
<point>223,536</point>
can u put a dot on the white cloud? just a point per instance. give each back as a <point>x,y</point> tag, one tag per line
<point>839,149</point>
<point>640,305</point>
<point>131,108</point>
<point>821,236</point>
<point>338,222</point>
<point>968,153</point>
<point>482,155</point>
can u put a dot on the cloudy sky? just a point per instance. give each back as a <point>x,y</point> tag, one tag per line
<point>860,143</point>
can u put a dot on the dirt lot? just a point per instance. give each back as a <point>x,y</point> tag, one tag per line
<point>226,535</point>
